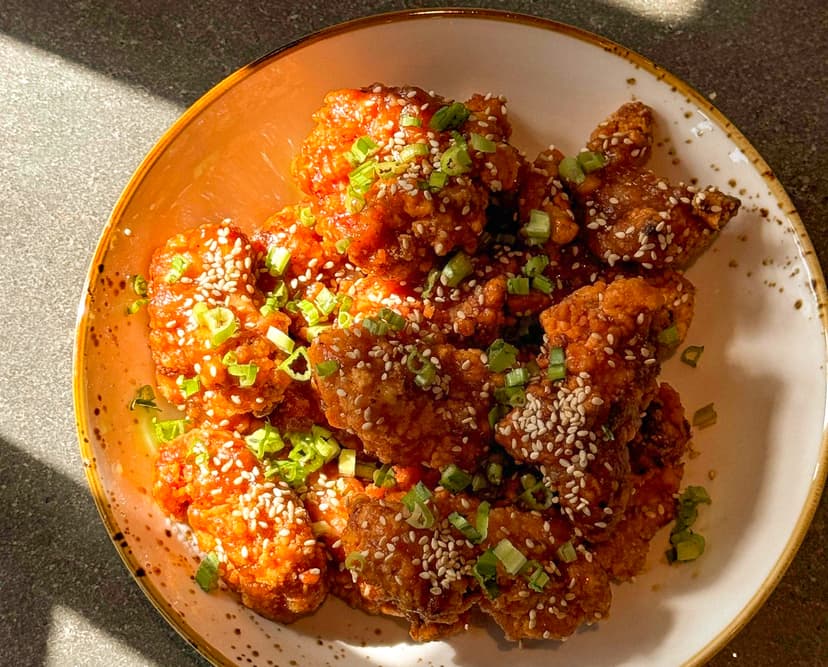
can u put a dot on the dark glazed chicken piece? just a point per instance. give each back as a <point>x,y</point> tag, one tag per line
<point>633,215</point>
<point>399,187</point>
<point>577,429</point>
<point>443,421</point>
<point>207,336</point>
<point>258,528</point>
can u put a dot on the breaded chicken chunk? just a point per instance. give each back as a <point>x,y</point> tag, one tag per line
<point>633,215</point>
<point>443,417</point>
<point>257,527</point>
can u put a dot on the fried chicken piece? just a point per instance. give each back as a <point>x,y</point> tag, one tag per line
<point>577,429</point>
<point>397,223</point>
<point>216,363</point>
<point>656,455</point>
<point>258,528</point>
<point>633,215</point>
<point>444,421</point>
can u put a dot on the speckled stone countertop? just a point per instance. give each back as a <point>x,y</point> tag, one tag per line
<point>87,89</point>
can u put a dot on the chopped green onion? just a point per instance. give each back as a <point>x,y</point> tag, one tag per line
<point>178,265</point>
<point>518,285</point>
<point>455,161</point>
<point>416,501</point>
<point>144,398</point>
<point>321,528</point>
<point>460,523</point>
<point>590,161</point>
<point>347,462</point>
<point>245,372</point>
<point>392,319</point>
<point>418,493</point>
<point>496,414</point>
<point>265,440</point>
<point>280,339</point>
<point>501,355</point>
<point>277,298</point>
<point>557,364</point>
<point>168,429</point>
<point>326,301</point>
<point>494,473</point>
<point>437,180</point>
<point>532,487</point>
<point>277,260</point>
<point>511,558</point>
<point>450,116</point>
<point>705,416</point>
<point>362,148</point>
<point>354,201</point>
<point>454,479</point>
<point>343,319</point>
<point>513,396</point>
<point>384,476</point>
<point>517,377</point>
<point>188,386</point>
<point>412,151</point>
<point>306,216</point>
<point>230,357</point>
<point>456,270</point>
<point>221,322</point>
<point>287,365</point>
<point>543,284</point>
<point>669,336</point>
<point>430,282</point>
<point>308,311</point>
<point>425,378</point>
<point>485,571</point>
<point>139,284</point>
<point>327,367</point>
<point>207,574</point>
<point>478,482</point>
<point>692,354</point>
<point>389,168</point>
<point>571,170</point>
<point>539,228</point>
<point>136,305</point>
<point>375,327</point>
<point>410,121</point>
<point>536,265</point>
<point>689,547</point>
<point>421,517</point>
<point>355,561</point>
<point>567,553</point>
<point>363,177</point>
<point>538,579</point>
<point>481,521</point>
<point>482,144</point>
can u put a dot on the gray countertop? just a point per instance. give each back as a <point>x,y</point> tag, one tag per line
<point>88,87</point>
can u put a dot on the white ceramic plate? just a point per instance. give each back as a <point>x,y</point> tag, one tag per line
<point>760,316</point>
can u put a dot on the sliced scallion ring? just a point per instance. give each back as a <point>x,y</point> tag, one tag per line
<point>567,553</point>
<point>669,336</point>
<point>449,116</point>
<point>510,556</point>
<point>500,356</point>
<point>457,269</point>
<point>327,367</point>
<point>455,161</point>
<point>437,180</point>
<point>571,170</point>
<point>412,151</point>
<point>591,161</point>
<point>480,143</point>
<point>347,462</point>
<point>705,416</point>
<point>692,354</point>
<point>454,479</point>
<point>280,339</point>
<point>277,260</point>
<point>245,372</point>
<point>207,574</point>
<point>466,529</point>
<point>538,229</point>
<point>221,322</point>
<point>518,285</point>
<point>300,353</point>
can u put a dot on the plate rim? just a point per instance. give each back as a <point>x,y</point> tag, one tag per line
<point>807,251</point>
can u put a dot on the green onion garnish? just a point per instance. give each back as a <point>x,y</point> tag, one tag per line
<point>496,414</point>
<point>571,170</point>
<point>454,479</point>
<point>511,558</point>
<point>326,301</point>
<point>230,357</point>
<point>308,311</point>
<point>485,571</point>
<point>354,201</point>
<point>538,229</point>
<point>412,151</point>
<point>517,377</point>
<point>362,148</point>
<point>375,327</point>
<point>139,284</point>
<point>178,265</point>
<point>221,322</point>
<point>144,398</point>
<point>287,365</point>
<point>535,265</point>
<point>136,305</point>
<point>410,121</point>
<point>363,177</point>
<point>277,298</point>
<point>384,476</point>
<point>342,245</point>
<point>389,168</point>
<point>686,544</point>
<point>531,488</point>
<point>481,521</point>
<point>393,319</point>
<point>482,144</point>
<point>316,329</point>
<point>280,339</point>
<point>245,372</point>
<point>494,473</point>
<point>542,284</point>
<point>456,270</point>
<point>705,416</point>
<point>518,285</point>
<point>416,501</point>
<point>500,356</point>
<point>455,161</point>
<point>347,462</point>
<point>567,553</point>
<point>590,161</point>
<point>692,354</point>
<point>306,216</point>
<point>168,429</point>
<point>437,180</point>
<point>327,367</point>
<point>557,364</point>
<point>425,372</point>
<point>207,575</point>
<point>513,396</point>
<point>538,578</point>
<point>355,561</point>
<point>265,440</point>
<point>188,386</point>
<point>277,260</point>
<point>460,523</point>
<point>669,336</point>
<point>450,116</point>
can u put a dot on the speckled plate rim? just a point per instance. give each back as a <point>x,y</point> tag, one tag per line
<point>809,256</point>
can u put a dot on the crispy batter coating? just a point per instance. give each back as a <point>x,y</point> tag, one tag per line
<point>441,423</point>
<point>258,528</point>
<point>397,226</point>
<point>213,265</point>
<point>633,215</point>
